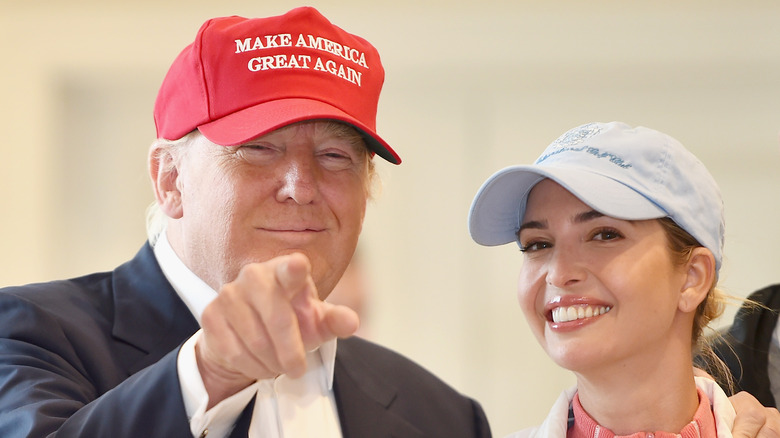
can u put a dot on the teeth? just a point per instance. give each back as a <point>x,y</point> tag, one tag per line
<point>572,313</point>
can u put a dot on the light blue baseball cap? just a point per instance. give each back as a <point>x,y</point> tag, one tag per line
<point>623,172</point>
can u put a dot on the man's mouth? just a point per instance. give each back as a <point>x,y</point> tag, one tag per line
<point>294,229</point>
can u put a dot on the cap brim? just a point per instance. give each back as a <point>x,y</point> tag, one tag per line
<point>260,119</point>
<point>499,205</point>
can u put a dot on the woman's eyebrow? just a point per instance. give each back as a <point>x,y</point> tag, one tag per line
<point>578,218</point>
<point>537,225</point>
<point>587,216</point>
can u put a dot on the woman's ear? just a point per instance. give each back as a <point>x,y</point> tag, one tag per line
<point>165,181</point>
<point>700,276</point>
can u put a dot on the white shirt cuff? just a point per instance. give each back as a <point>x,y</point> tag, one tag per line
<point>220,419</point>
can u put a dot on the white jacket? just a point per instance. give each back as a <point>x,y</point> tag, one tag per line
<point>555,425</point>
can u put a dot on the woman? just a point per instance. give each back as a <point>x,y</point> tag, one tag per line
<point>621,231</point>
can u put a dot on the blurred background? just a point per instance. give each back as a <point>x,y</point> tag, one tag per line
<point>472,86</point>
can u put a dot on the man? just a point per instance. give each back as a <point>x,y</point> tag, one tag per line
<point>750,348</point>
<point>261,172</point>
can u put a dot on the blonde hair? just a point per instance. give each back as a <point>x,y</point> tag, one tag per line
<point>177,149</point>
<point>682,244</point>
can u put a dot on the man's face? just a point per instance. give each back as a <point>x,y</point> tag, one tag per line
<point>301,188</point>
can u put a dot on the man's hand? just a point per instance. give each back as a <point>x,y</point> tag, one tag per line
<point>754,420</point>
<point>262,324</point>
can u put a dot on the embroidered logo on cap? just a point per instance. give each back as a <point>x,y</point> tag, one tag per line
<point>569,142</point>
<point>577,135</point>
<point>304,61</point>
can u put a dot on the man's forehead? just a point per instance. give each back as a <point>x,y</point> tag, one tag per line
<point>318,129</point>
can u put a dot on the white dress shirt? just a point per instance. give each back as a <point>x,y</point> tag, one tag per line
<point>284,407</point>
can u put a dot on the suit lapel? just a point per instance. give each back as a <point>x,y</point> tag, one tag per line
<point>365,400</point>
<point>241,429</point>
<point>149,315</point>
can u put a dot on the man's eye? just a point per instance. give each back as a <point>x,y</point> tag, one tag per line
<point>336,160</point>
<point>254,147</point>
<point>337,156</point>
<point>255,153</point>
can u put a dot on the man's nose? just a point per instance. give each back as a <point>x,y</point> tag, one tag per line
<point>298,181</point>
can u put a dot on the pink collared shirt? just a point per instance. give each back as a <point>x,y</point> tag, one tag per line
<point>702,425</point>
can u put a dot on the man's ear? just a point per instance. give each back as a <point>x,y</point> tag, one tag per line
<point>700,271</point>
<point>165,181</point>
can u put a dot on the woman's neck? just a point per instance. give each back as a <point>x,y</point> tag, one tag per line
<point>656,397</point>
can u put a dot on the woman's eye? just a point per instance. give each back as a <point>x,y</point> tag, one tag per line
<point>534,246</point>
<point>607,234</point>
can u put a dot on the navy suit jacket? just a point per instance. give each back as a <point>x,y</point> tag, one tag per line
<point>95,356</point>
<point>744,346</point>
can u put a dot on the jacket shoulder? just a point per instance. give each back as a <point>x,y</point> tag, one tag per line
<point>367,372</point>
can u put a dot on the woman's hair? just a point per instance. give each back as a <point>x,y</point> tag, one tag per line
<point>682,245</point>
<point>177,149</point>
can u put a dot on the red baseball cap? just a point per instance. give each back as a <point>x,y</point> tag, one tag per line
<point>244,77</point>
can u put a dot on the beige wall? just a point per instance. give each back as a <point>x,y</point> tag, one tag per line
<point>471,87</point>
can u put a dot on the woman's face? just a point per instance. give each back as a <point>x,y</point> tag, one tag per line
<point>596,290</point>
